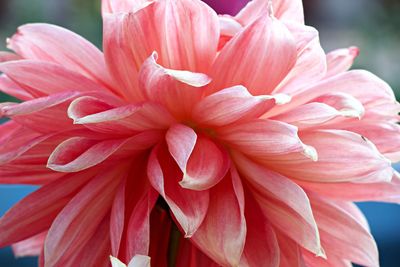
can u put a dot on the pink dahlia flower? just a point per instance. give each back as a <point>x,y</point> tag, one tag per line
<point>194,139</point>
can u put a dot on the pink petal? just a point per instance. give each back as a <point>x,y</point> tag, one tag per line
<point>78,221</point>
<point>8,56</point>
<point>170,87</point>
<point>339,230</point>
<point>9,87</point>
<point>342,156</point>
<point>96,251</point>
<point>117,218</point>
<point>138,230</point>
<point>290,252</point>
<point>54,44</point>
<point>261,242</point>
<point>308,115</point>
<point>341,60</point>
<point>385,135</point>
<point>282,9</point>
<point>79,153</point>
<point>384,191</point>
<point>16,174</point>
<point>258,58</point>
<point>346,104</point>
<point>181,141</point>
<point>104,117</point>
<point>222,235</point>
<point>33,215</point>
<point>117,6</point>
<point>310,66</point>
<point>189,207</point>
<point>167,27</point>
<point>233,104</point>
<point>265,139</point>
<point>207,165</point>
<point>35,114</point>
<point>331,261</point>
<point>29,247</point>
<point>201,161</point>
<point>42,78</point>
<point>368,89</point>
<point>291,215</point>
<point>190,256</point>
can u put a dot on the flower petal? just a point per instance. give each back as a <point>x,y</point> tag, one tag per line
<point>341,60</point>
<point>170,87</point>
<point>35,114</point>
<point>79,153</point>
<point>189,207</point>
<point>168,27</point>
<point>258,58</point>
<point>8,56</point>
<point>104,117</point>
<point>233,104</point>
<point>55,44</point>
<point>32,215</point>
<point>310,66</point>
<point>291,215</point>
<point>222,241</point>
<point>261,242</point>
<point>339,230</point>
<point>206,166</point>
<point>118,6</point>
<point>9,87</point>
<point>87,256</point>
<point>29,247</point>
<point>42,78</point>
<point>140,261</point>
<point>282,9</point>
<point>202,162</point>
<point>78,221</point>
<point>342,157</point>
<point>265,139</point>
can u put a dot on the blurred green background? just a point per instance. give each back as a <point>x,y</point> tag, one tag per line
<point>372,25</point>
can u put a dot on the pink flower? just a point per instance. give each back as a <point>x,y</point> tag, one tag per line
<point>238,132</point>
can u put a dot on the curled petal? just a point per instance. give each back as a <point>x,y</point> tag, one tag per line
<point>168,27</point>
<point>265,139</point>
<point>201,161</point>
<point>232,105</point>
<point>188,207</point>
<point>104,117</point>
<point>170,87</point>
<point>79,153</point>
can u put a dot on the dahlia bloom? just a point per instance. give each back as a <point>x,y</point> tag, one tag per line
<point>194,139</point>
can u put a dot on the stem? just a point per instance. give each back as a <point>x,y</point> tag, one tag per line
<point>173,245</point>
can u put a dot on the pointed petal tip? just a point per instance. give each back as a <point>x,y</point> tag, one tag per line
<point>280,99</point>
<point>310,152</point>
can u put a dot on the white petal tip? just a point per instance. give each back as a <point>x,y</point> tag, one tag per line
<point>310,152</point>
<point>352,113</point>
<point>280,99</point>
<point>116,262</point>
